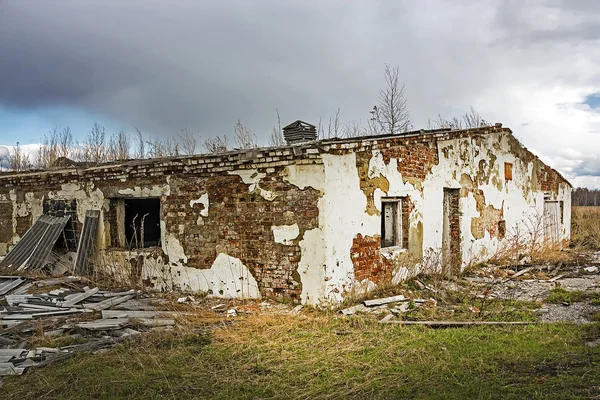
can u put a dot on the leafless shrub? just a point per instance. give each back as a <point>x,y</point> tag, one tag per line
<point>471,119</point>
<point>188,141</point>
<point>163,148</point>
<point>244,138</point>
<point>354,129</point>
<point>94,147</point>
<point>18,160</point>
<point>55,145</point>
<point>528,243</point>
<point>119,145</point>
<point>140,151</point>
<point>334,128</point>
<point>217,145</point>
<point>276,138</point>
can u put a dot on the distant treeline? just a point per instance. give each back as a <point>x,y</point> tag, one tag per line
<point>585,197</point>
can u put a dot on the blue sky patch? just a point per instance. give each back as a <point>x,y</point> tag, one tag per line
<point>593,100</point>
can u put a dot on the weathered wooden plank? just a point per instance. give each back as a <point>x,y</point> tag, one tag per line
<point>385,300</point>
<point>111,301</point>
<point>440,324</point>
<point>12,299</point>
<point>73,299</point>
<point>140,314</point>
<point>118,294</point>
<point>135,305</point>
<point>42,307</point>
<point>156,321</point>
<point>102,324</point>
<point>521,272</point>
<point>15,317</point>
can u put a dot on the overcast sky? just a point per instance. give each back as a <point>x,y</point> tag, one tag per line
<point>165,65</point>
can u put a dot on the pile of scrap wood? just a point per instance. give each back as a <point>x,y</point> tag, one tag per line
<point>72,310</point>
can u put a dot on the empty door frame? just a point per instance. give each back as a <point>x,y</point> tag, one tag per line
<point>451,254</point>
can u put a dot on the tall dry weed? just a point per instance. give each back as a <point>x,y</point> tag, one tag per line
<point>585,227</point>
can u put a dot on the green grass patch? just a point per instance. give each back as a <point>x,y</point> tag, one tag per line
<point>560,295</point>
<point>324,357</point>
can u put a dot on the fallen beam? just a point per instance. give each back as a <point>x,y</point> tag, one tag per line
<point>141,314</point>
<point>449,324</point>
<point>73,299</point>
<point>111,301</point>
<point>385,300</point>
<point>521,272</point>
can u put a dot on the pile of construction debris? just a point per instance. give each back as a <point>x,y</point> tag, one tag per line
<point>531,284</point>
<point>71,311</point>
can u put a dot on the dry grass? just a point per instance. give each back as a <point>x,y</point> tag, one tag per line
<point>320,357</point>
<point>585,227</point>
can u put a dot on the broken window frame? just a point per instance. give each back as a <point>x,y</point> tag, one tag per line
<point>124,236</point>
<point>395,205</point>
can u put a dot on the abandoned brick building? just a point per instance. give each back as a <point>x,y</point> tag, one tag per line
<point>312,221</point>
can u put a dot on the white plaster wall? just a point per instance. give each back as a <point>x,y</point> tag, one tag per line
<point>312,266</point>
<point>227,277</point>
<point>342,208</point>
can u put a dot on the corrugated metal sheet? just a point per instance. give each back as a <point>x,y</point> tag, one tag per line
<point>37,243</point>
<point>6,285</point>
<point>86,243</point>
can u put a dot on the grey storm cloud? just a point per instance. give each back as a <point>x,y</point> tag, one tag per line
<point>162,66</point>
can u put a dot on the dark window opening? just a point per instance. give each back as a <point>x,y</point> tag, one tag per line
<point>67,241</point>
<point>391,223</point>
<point>142,222</point>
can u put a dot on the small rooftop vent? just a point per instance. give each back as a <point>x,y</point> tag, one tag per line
<point>299,131</point>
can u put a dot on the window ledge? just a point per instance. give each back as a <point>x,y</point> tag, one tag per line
<point>392,251</point>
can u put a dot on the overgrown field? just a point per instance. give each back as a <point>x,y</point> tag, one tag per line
<point>585,227</point>
<point>321,357</point>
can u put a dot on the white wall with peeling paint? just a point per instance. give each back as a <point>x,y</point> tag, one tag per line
<point>325,267</point>
<point>227,277</point>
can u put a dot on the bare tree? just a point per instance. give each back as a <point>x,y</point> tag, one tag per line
<point>55,145</point>
<point>65,143</point>
<point>244,138</point>
<point>188,142</point>
<point>94,147</point>
<point>276,138</point>
<point>216,145</point>
<point>391,114</point>
<point>18,160</point>
<point>118,147</point>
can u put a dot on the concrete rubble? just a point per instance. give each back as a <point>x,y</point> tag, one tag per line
<point>533,284</point>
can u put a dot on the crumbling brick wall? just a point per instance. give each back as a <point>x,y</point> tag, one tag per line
<point>231,203</point>
<point>238,222</point>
